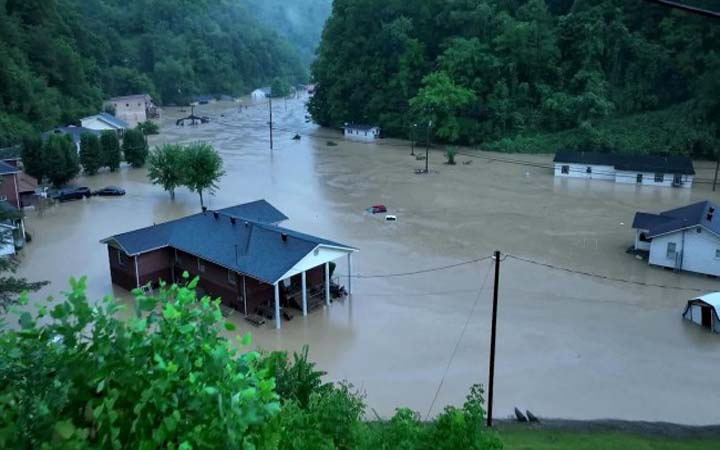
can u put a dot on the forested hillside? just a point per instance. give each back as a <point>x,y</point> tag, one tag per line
<point>504,71</point>
<point>60,58</point>
<point>300,22</point>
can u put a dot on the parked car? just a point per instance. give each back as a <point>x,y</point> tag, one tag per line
<point>110,191</point>
<point>76,193</point>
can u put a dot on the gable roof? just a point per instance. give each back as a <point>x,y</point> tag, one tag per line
<point>705,214</point>
<point>636,163</point>
<point>360,126</point>
<point>258,249</point>
<point>10,153</point>
<point>7,169</point>
<point>72,131</point>
<point>113,121</point>
<point>145,97</point>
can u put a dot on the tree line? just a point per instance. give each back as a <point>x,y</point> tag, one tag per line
<point>61,58</point>
<point>481,71</point>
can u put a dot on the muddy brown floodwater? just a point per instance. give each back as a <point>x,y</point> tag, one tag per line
<point>568,345</point>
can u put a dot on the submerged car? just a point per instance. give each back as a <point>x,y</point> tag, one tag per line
<point>110,191</point>
<point>67,194</point>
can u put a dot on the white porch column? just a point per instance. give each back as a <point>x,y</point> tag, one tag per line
<point>349,273</point>
<point>304,293</point>
<point>137,273</point>
<point>327,284</point>
<point>277,306</point>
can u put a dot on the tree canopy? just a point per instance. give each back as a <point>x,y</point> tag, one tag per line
<point>515,69</point>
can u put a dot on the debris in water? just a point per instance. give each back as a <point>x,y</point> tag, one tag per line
<point>532,417</point>
<point>520,416</point>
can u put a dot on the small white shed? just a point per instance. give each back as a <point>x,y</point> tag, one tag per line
<point>361,131</point>
<point>703,311</point>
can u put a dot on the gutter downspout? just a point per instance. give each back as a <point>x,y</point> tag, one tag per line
<point>682,251</point>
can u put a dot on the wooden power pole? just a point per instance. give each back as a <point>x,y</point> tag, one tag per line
<point>493,332</point>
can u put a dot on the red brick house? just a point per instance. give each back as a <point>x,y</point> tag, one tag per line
<point>240,254</point>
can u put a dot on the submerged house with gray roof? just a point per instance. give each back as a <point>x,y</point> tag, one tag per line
<point>240,253</point>
<point>644,170</point>
<point>686,238</point>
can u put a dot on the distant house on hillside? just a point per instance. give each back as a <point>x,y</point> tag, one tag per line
<point>646,170</point>
<point>134,109</point>
<point>240,253</point>
<point>686,238</point>
<point>103,122</point>
<point>261,93</point>
<point>361,131</point>
<point>72,131</point>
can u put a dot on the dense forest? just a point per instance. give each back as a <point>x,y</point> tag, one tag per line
<point>524,75</point>
<point>299,22</point>
<point>60,58</point>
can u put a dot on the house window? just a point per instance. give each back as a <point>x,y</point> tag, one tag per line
<point>639,178</point>
<point>659,177</point>
<point>717,253</point>
<point>588,170</point>
<point>565,170</point>
<point>671,248</point>
<point>232,278</point>
<point>127,105</point>
<point>200,266</point>
<point>178,259</point>
<point>120,258</point>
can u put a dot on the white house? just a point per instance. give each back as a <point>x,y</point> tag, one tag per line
<point>686,238</point>
<point>703,311</point>
<point>103,122</point>
<point>261,94</point>
<point>360,131</point>
<point>133,109</point>
<point>645,170</point>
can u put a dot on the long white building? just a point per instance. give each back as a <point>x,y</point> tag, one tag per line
<point>686,238</point>
<point>645,170</point>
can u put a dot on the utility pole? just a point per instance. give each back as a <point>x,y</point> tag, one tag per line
<point>412,137</point>
<point>271,127</point>
<point>427,148</point>
<point>493,331</point>
<point>717,168</point>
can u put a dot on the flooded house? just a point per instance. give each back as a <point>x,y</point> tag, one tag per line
<point>645,170</point>
<point>72,131</point>
<point>686,238</point>
<point>261,94</point>
<point>105,122</point>
<point>361,131</point>
<point>133,109</point>
<point>240,253</point>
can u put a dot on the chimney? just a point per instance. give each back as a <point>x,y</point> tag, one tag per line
<point>247,223</point>
<point>216,215</point>
<point>283,236</point>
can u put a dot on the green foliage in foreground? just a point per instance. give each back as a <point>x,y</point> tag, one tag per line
<point>75,376</point>
<point>516,438</point>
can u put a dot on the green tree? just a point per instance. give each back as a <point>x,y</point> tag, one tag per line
<point>149,128</point>
<point>110,150</point>
<point>135,147</point>
<point>90,153</point>
<point>62,159</point>
<point>280,87</point>
<point>33,157</point>
<point>203,169</point>
<point>76,376</point>
<point>167,167</point>
<point>441,101</point>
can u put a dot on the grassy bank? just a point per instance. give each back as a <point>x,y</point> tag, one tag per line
<point>672,130</point>
<point>565,440</point>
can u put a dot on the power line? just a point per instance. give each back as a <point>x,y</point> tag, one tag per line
<point>457,343</point>
<point>601,277</point>
<point>418,272</point>
<point>686,8</point>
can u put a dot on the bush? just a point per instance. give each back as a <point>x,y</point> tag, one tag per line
<point>61,159</point>
<point>450,155</point>
<point>110,150</point>
<point>135,147</point>
<point>82,378</point>
<point>90,153</point>
<point>149,128</point>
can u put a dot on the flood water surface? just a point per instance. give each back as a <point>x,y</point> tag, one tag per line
<point>569,345</point>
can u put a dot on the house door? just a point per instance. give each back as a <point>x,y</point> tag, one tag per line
<point>706,316</point>
<point>639,178</point>
<point>677,179</point>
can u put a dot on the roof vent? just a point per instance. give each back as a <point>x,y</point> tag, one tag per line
<point>216,215</point>
<point>283,236</point>
<point>247,223</point>
<point>204,209</point>
<point>232,220</point>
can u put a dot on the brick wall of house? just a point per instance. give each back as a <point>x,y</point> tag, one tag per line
<point>8,189</point>
<point>122,268</point>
